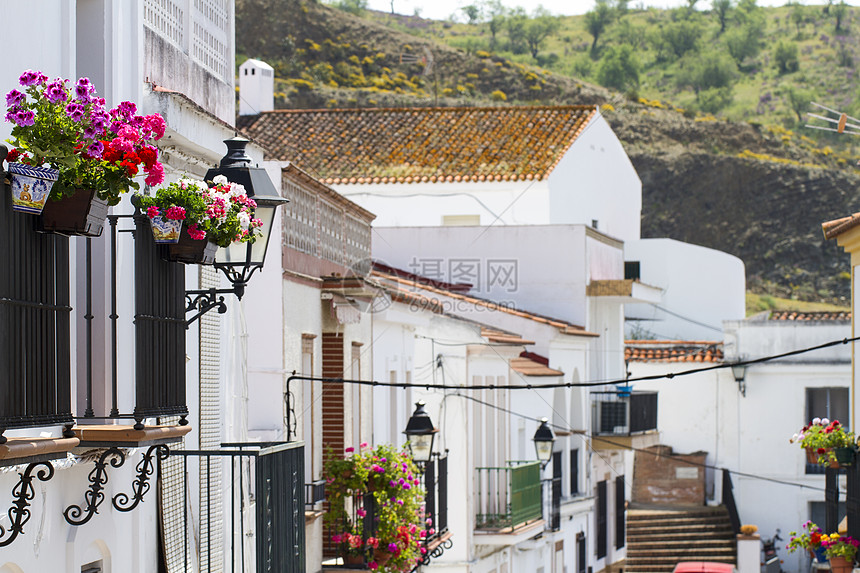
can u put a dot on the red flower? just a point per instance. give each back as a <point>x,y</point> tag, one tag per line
<point>149,155</point>
<point>821,450</point>
<point>12,156</point>
<point>131,158</point>
<point>130,168</point>
<point>110,154</point>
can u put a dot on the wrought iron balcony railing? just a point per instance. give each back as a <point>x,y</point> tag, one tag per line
<point>507,497</point>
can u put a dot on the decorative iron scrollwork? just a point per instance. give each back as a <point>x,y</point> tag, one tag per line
<point>145,469</point>
<point>434,553</point>
<point>94,496</point>
<point>23,493</point>
<point>203,301</point>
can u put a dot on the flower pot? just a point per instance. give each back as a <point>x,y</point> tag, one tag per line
<point>844,456</point>
<point>31,186</point>
<point>352,559</point>
<point>817,554</point>
<point>812,457</point>
<point>82,214</point>
<point>840,565</point>
<point>382,557</point>
<point>192,251</point>
<point>165,231</point>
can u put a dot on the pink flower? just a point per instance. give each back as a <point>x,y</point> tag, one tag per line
<point>175,213</point>
<point>152,212</point>
<point>336,539</point>
<point>373,542</point>
<point>156,174</point>
<point>362,445</point>
<point>392,547</point>
<point>349,450</point>
<point>195,233</point>
<point>373,565</point>
<point>361,512</point>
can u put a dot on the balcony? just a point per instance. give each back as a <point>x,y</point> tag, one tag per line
<point>508,502</point>
<point>620,417</point>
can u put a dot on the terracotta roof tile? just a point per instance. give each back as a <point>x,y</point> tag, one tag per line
<point>836,227</point>
<point>530,367</point>
<point>673,351</point>
<point>818,316</point>
<point>502,337</point>
<point>421,144</point>
<point>395,281</point>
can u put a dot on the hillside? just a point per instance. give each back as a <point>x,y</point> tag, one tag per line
<point>759,192</point>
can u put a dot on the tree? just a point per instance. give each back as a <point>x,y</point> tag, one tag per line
<point>796,99</point>
<point>711,70</point>
<point>785,55</point>
<point>473,12</point>
<point>621,7</point>
<point>540,27</point>
<point>515,24</point>
<point>597,20</point>
<point>495,13</point>
<point>356,7</point>
<point>619,68</point>
<point>721,9</point>
<point>839,11</point>
<point>744,41</point>
<point>798,16</point>
<point>681,36</point>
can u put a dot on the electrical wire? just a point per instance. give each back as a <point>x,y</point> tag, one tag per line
<point>667,375</point>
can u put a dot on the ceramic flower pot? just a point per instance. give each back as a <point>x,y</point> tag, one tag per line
<point>192,251</point>
<point>165,231</point>
<point>382,557</point>
<point>31,186</point>
<point>818,554</point>
<point>812,457</point>
<point>840,565</point>
<point>352,559</point>
<point>82,214</point>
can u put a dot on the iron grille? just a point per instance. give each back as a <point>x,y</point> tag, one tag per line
<point>34,323</point>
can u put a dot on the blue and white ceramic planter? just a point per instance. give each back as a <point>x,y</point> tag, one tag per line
<point>165,231</point>
<point>31,186</point>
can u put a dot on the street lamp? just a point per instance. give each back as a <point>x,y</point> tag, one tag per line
<point>543,440</point>
<point>240,260</point>
<point>739,371</point>
<point>420,432</point>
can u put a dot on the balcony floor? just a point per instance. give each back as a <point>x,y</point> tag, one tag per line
<point>28,450</point>
<point>125,435</point>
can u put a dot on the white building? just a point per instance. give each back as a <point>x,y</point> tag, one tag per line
<point>745,427</point>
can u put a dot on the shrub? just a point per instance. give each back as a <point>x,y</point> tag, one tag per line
<point>499,95</point>
<point>785,56</point>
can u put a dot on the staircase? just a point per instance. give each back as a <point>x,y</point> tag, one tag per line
<point>657,539</point>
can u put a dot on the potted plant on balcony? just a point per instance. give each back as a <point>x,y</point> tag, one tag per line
<point>392,480</point>
<point>810,540</point>
<point>826,443</point>
<point>841,551</point>
<point>195,219</point>
<point>91,153</point>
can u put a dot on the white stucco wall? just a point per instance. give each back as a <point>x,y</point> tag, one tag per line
<point>595,181</point>
<point>702,287</point>
<point>749,434</point>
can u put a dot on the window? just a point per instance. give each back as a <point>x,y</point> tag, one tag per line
<point>574,471</point>
<point>619,512</point>
<point>581,560</point>
<point>829,403</point>
<point>818,510</point>
<point>307,412</point>
<point>602,520</point>
<point>461,220</point>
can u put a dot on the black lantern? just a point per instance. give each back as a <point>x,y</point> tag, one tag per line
<point>420,432</point>
<point>240,260</point>
<point>739,371</point>
<point>543,440</point>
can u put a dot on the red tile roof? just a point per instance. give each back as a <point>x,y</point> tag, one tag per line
<point>414,145</point>
<point>530,367</point>
<point>827,316</point>
<point>501,337</point>
<point>673,351</point>
<point>836,227</point>
<point>426,292</point>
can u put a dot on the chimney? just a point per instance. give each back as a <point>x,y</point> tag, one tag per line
<point>256,87</point>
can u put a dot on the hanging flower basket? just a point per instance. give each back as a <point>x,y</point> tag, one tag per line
<point>82,214</point>
<point>31,186</point>
<point>844,456</point>
<point>165,231</point>
<point>192,251</point>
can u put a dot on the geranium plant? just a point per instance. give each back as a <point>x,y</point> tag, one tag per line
<point>69,128</point>
<point>821,436</point>
<point>809,540</point>
<point>836,545</point>
<point>222,213</point>
<point>392,478</point>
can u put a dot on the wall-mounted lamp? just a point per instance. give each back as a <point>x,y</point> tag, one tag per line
<point>739,371</point>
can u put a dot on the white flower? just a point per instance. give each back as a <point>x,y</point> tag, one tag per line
<point>219,180</point>
<point>237,189</point>
<point>825,421</point>
<point>816,421</point>
<point>794,438</point>
<point>244,220</point>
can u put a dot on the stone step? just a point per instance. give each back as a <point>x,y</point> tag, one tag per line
<point>686,547</point>
<point>679,519</point>
<point>704,514</point>
<point>670,561</point>
<point>687,553</point>
<point>710,529</point>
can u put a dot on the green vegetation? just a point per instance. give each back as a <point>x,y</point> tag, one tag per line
<point>756,303</point>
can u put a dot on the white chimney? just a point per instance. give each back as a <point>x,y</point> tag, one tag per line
<point>256,87</point>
